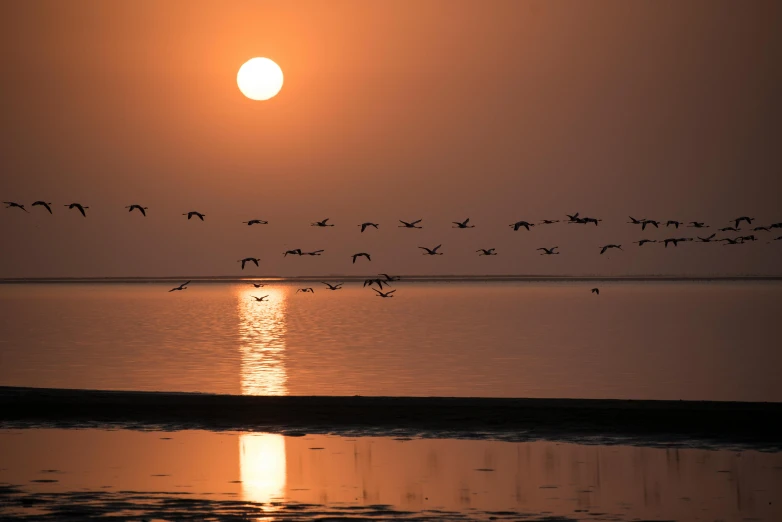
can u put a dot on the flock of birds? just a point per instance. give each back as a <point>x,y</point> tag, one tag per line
<point>744,236</point>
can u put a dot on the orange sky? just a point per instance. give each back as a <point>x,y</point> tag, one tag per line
<point>441,110</point>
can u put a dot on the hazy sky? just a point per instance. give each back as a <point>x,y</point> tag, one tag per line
<point>441,110</point>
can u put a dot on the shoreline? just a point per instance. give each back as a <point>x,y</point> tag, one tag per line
<point>590,421</point>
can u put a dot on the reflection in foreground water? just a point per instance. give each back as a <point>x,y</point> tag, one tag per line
<point>466,476</point>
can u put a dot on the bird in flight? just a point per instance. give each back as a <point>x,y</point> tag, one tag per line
<point>79,207</point>
<point>432,251</point>
<point>321,223</point>
<point>761,229</point>
<point>673,222</point>
<point>258,285</point>
<point>390,278</point>
<point>697,224</point>
<point>11,204</point>
<point>305,290</point>
<point>412,224</point>
<point>729,229</point>
<point>573,218</point>
<point>596,291</point>
<point>634,221</point>
<point>462,224</point>
<point>707,239</point>
<point>548,222</point>
<point>776,225</point>
<point>361,254</point>
<point>738,220</point>
<point>313,253</point>
<point>249,260</point>
<point>183,286</point>
<point>43,204</point>
<point>368,224</point>
<point>196,214</point>
<point>606,247</point>
<point>384,294</point>
<point>518,224</point>
<point>294,252</point>
<point>751,237</point>
<point>649,222</point>
<point>259,299</point>
<point>730,241</point>
<point>644,241</point>
<point>591,220</point>
<point>255,222</point>
<point>378,282</point>
<point>777,238</point>
<point>548,251</point>
<point>336,286</point>
<point>675,240</point>
<point>141,209</point>
<point>487,252</point>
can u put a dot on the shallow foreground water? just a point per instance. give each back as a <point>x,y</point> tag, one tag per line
<point>657,340</point>
<point>163,474</point>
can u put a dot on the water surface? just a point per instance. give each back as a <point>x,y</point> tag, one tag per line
<point>657,340</point>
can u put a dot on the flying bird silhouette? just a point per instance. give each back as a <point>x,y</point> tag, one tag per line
<point>606,247</point>
<point>305,290</point>
<point>79,207</point>
<point>738,220</point>
<point>729,229</point>
<point>487,252</point>
<point>141,209</point>
<point>634,221</point>
<point>761,229</point>
<point>43,204</point>
<point>249,260</point>
<point>183,286</point>
<point>518,224</point>
<point>548,251</point>
<point>255,222</point>
<point>313,253</point>
<point>412,224</point>
<point>462,224</point>
<point>384,294</point>
<point>591,220</point>
<point>321,223</point>
<point>644,241</point>
<point>259,299</point>
<point>548,222</point>
<point>697,224</point>
<point>675,240</point>
<point>368,224</point>
<point>258,285</point>
<point>378,282</point>
<point>431,251</point>
<point>649,222</point>
<point>336,286</point>
<point>11,204</point>
<point>707,239</point>
<point>596,291</point>
<point>673,222</point>
<point>573,217</point>
<point>196,214</point>
<point>361,254</point>
<point>294,252</point>
<point>390,278</point>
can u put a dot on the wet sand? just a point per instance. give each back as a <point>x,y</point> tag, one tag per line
<point>662,423</point>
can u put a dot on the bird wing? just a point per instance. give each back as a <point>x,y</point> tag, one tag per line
<point>603,249</point>
<point>363,226</point>
<point>416,221</point>
<point>243,262</point>
<point>255,261</point>
<point>390,292</point>
<point>435,248</point>
<point>378,291</point>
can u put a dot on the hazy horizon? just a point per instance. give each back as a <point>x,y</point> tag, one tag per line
<point>438,110</point>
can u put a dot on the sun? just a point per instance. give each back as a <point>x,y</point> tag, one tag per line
<point>259,79</point>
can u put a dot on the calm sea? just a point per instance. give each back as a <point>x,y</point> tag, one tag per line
<point>655,340</point>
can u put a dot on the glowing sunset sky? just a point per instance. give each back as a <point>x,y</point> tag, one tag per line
<point>440,110</point>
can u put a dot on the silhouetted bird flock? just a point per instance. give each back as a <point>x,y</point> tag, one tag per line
<point>576,219</point>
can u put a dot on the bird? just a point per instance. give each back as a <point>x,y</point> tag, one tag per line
<point>738,220</point>
<point>548,222</point>
<point>697,224</point>
<point>336,286</point>
<point>384,294</point>
<point>572,218</point>
<point>462,224</point>
<point>258,285</point>
<point>649,222</point>
<point>596,291</point>
<point>729,229</point>
<point>606,247</point>
<point>761,229</point>
<point>674,240</point>
<point>591,220</point>
<point>578,220</point>
<point>368,224</point>
<point>673,222</point>
<point>43,204</point>
<point>255,222</point>
<point>321,223</point>
<point>194,213</point>
<point>313,253</point>
<point>294,252</point>
<point>518,224</point>
<point>413,224</point>
<point>707,239</point>
<point>183,286</point>
<point>259,299</point>
<point>643,241</point>
<point>730,241</point>
<point>139,207</point>
<point>305,290</point>
<point>548,251</point>
<point>777,238</point>
<point>390,278</point>
<point>431,251</point>
<point>634,221</point>
<point>378,282</point>
<point>360,254</point>
<point>11,204</point>
<point>79,207</point>
<point>750,237</point>
<point>487,252</point>
<point>776,225</point>
<point>249,260</point>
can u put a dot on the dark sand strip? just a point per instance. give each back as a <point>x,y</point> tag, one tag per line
<point>689,423</point>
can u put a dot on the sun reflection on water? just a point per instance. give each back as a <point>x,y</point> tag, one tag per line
<point>262,347</point>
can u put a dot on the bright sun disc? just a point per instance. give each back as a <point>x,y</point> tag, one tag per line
<point>259,79</point>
